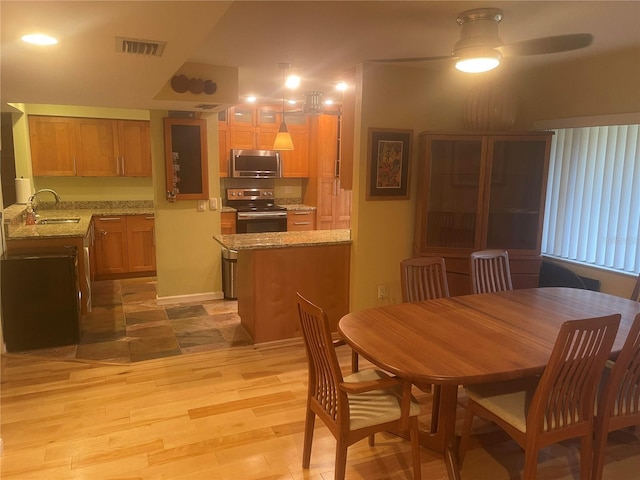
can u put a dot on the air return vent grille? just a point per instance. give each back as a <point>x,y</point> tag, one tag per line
<point>136,46</point>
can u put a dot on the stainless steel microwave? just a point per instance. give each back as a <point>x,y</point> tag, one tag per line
<point>255,164</point>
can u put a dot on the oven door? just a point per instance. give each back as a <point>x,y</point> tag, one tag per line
<point>259,222</point>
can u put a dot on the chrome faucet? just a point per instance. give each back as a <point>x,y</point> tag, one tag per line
<point>32,198</point>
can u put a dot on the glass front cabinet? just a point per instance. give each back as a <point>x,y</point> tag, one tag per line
<point>482,191</point>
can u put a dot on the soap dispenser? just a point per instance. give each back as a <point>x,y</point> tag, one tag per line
<point>31,215</point>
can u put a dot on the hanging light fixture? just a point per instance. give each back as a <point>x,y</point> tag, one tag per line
<point>283,137</point>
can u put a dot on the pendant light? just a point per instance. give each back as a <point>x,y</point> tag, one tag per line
<point>283,138</point>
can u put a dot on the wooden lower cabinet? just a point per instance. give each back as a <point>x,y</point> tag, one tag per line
<point>301,220</point>
<point>228,223</point>
<point>124,245</point>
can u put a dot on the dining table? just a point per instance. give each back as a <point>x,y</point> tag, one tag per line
<point>470,339</point>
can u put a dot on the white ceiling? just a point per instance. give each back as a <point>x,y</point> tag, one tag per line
<point>320,39</point>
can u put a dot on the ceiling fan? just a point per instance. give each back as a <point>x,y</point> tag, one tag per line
<point>313,105</point>
<point>481,49</point>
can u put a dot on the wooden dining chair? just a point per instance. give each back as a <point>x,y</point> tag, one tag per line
<point>540,411</point>
<point>490,271</point>
<point>635,296</point>
<point>423,278</point>
<point>352,407</point>
<point>619,402</point>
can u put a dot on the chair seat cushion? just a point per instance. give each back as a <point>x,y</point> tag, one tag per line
<point>509,400</point>
<point>377,406</point>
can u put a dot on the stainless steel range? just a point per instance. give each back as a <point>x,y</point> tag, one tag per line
<point>257,211</point>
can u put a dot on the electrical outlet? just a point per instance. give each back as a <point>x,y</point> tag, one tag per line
<point>213,204</point>
<point>201,205</point>
<point>288,189</point>
<point>382,291</point>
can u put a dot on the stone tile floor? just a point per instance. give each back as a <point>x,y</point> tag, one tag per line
<point>126,325</point>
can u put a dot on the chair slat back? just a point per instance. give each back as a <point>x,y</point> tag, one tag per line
<point>423,278</point>
<point>490,271</point>
<point>621,394</point>
<point>635,296</point>
<point>324,370</point>
<point>565,396</point>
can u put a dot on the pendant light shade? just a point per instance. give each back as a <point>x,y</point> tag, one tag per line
<point>283,138</point>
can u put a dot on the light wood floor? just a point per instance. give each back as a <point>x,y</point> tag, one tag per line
<point>229,414</point>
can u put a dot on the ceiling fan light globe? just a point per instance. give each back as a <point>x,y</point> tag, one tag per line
<point>477,64</point>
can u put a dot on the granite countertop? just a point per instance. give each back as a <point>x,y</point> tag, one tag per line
<point>253,241</point>
<point>297,206</point>
<point>16,229</point>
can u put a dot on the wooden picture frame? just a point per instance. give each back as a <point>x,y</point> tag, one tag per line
<point>388,164</point>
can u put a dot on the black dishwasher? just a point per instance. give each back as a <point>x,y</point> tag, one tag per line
<point>40,299</point>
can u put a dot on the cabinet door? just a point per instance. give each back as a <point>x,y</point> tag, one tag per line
<point>324,207</point>
<point>111,245</point>
<point>141,244</point>
<point>514,204</point>
<point>97,148</point>
<point>342,208</point>
<point>52,146</point>
<point>295,163</point>
<point>242,137</point>
<point>327,147</point>
<point>224,150</point>
<point>265,139</point>
<point>451,204</point>
<point>301,220</point>
<point>185,145</point>
<point>268,118</point>
<point>242,116</point>
<point>134,148</point>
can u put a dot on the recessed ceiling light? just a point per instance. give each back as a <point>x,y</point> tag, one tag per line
<point>291,101</point>
<point>251,99</point>
<point>293,81</point>
<point>341,86</point>
<point>328,101</point>
<point>39,39</point>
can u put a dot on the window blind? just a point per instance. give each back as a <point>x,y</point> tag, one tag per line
<point>592,212</point>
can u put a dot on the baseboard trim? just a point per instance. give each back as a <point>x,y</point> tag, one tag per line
<point>191,298</point>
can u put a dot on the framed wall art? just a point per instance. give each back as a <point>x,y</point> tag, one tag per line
<point>388,164</point>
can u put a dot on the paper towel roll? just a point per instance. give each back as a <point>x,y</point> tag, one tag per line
<point>23,190</point>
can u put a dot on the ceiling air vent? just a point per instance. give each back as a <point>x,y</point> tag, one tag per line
<point>136,46</point>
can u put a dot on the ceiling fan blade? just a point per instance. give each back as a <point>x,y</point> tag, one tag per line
<point>410,59</point>
<point>543,45</point>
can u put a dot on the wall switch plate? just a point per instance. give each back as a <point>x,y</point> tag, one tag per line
<point>201,206</point>
<point>213,204</point>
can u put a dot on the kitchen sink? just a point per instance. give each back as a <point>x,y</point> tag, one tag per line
<point>55,221</point>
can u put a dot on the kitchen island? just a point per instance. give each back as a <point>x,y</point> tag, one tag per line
<point>273,266</point>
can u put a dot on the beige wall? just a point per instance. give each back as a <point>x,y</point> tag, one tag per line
<point>411,98</point>
<point>188,257</point>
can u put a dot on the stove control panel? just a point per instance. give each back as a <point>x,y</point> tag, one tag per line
<point>249,193</point>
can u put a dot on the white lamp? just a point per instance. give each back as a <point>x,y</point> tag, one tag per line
<point>283,137</point>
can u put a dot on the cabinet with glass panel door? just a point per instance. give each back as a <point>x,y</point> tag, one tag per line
<point>482,191</point>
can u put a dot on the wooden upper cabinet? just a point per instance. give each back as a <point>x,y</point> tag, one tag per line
<point>90,147</point>
<point>134,148</point>
<point>52,146</point>
<point>97,148</point>
<point>186,161</point>
<point>295,163</point>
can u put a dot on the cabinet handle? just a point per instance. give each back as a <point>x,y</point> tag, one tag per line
<point>118,166</point>
<point>75,168</point>
<point>302,213</point>
<point>122,160</point>
<point>109,219</point>
<point>103,233</point>
<point>150,218</point>
<point>301,223</point>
